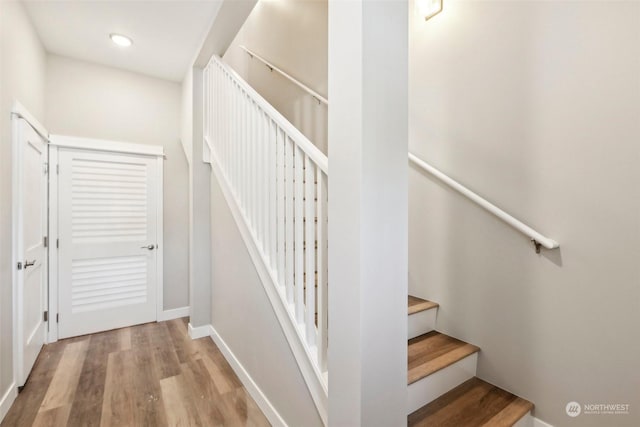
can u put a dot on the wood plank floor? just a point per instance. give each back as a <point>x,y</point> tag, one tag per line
<point>148,375</point>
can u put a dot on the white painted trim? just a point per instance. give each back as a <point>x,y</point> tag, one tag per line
<point>304,356</point>
<point>537,422</point>
<point>525,421</point>
<point>52,335</point>
<point>261,399</point>
<point>105,145</point>
<point>196,332</point>
<point>174,313</point>
<point>15,249</point>
<point>19,110</point>
<point>160,239</point>
<point>7,400</point>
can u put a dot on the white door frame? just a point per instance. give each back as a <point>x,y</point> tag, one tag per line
<point>18,112</point>
<point>59,141</point>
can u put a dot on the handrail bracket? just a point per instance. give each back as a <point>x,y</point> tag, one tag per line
<point>537,245</point>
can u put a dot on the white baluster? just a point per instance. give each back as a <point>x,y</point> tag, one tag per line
<point>236,133</point>
<point>214,93</point>
<point>299,233</point>
<point>260,167</point>
<point>254,168</point>
<point>280,224</point>
<point>250,165</point>
<point>266,162</point>
<point>323,296</point>
<point>310,250</point>
<point>243,161</point>
<point>272,193</point>
<point>289,218</point>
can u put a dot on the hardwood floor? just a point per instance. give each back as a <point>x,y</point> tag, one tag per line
<point>147,375</point>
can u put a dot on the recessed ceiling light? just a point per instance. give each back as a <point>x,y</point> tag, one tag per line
<point>121,40</point>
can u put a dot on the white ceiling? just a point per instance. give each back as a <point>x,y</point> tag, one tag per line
<point>166,34</point>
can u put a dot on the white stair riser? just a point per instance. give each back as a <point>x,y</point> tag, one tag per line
<point>435,385</point>
<point>422,322</point>
<point>526,421</point>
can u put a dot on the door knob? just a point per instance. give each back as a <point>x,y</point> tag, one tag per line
<point>29,263</point>
<point>150,247</point>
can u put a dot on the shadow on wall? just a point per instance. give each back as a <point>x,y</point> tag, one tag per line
<point>539,115</point>
<point>300,108</point>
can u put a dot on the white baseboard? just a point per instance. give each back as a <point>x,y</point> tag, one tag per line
<point>531,421</point>
<point>199,331</point>
<point>7,400</point>
<point>539,423</point>
<point>267,408</point>
<point>174,313</point>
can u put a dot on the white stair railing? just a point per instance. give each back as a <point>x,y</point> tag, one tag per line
<point>278,179</point>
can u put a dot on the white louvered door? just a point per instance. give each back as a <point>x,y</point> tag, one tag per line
<point>107,222</point>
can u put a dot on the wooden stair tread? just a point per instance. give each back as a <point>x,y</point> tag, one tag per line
<point>473,403</point>
<point>433,351</point>
<point>417,305</point>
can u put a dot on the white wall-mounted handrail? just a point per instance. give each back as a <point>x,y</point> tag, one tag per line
<point>535,236</point>
<point>296,82</point>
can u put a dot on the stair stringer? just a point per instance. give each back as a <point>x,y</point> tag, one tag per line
<point>304,355</point>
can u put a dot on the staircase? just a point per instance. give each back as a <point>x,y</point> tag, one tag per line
<point>275,182</point>
<point>442,387</point>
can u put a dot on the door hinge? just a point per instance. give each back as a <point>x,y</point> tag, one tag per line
<point>45,241</point>
<point>19,265</point>
<point>46,316</point>
<point>57,243</point>
<point>46,168</point>
<point>57,169</point>
<point>58,318</point>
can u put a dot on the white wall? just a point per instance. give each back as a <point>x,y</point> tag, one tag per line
<point>243,316</point>
<point>22,77</point>
<point>95,101</point>
<point>292,35</point>
<point>535,105</point>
